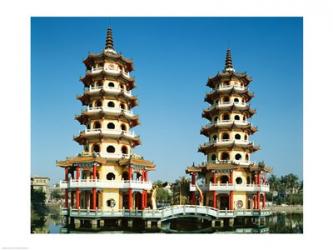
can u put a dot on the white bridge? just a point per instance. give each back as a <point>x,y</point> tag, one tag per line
<point>167,213</point>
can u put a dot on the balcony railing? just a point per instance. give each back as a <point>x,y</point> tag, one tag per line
<point>108,109</point>
<point>226,142</point>
<point>95,70</point>
<point>108,132</point>
<point>109,89</point>
<point>232,187</point>
<point>227,87</point>
<point>97,183</point>
<point>226,122</point>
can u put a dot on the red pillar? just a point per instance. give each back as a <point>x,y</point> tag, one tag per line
<point>264,201</point>
<point>130,193</point>
<point>66,190</point>
<point>258,200</point>
<point>214,192</point>
<point>231,194</point>
<point>72,199</point>
<point>231,200</point>
<point>193,201</point>
<point>94,189</point>
<point>77,195</point>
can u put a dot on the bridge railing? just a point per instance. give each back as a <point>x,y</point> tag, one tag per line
<point>166,212</point>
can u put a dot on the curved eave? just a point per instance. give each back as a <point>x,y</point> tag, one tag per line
<point>194,169</point>
<point>228,76</point>
<point>84,117</point>
<point>251,148</point>
<point>244,110</point>
<point>90,77</point>
<point>83,138</point>
<point>248,128</point>
<point>256,167</point>
<point>148,165</point>
<point>210,97</point>
<point>86,97</point>
<point>92,57</point>
<point>80,159</point>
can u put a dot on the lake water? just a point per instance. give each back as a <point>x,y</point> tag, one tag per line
<point>277,223</point>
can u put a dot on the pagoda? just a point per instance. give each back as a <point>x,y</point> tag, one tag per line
<point>107,175</point>
<point>229,180</point>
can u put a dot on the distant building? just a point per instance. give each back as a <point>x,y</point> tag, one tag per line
<point>41,183</point>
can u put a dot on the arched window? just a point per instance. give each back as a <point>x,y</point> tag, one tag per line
<point>237,136</point>
<point>224,179</point>
<point>213,157</point>
<point>225,136</point>
<point>111,85</point>
<point>237,118</point>
<point>88,126</point>
<point>122,106</point>
<point>247,157</point>
<point>86,148</point>
<point>123,127</point>
<point>96,148</point>
<point>239,180</point>
<point>111,125</point>
<point>110,149</point>
<point>226,99</point>
<point>225,156</point>
<point>214,138</point>
<point>238,157</point>
<point>216,118</point>
<point>98,103</point>
<point>236,100</point>
<point>226,117</point>
<point>110,176</point>
<point>97,125</point>
<point>99,84</point>
<point>121,86</point>
<point>124,150</point>
<point>245,137</point>
<point>111,104</point>
<point>124,176</point>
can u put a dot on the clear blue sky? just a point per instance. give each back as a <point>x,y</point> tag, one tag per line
<point>173,58</point>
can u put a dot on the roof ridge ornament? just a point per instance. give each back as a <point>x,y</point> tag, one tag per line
<point>228,62</point>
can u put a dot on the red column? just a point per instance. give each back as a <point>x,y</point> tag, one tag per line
<point>231,200</point>
<point>214,192</point>
<point>66,190</point>
<point>264,201</point>
<point>231,194</point>
<point>130,195</point>
<point>77,195</point>
<point>72,199</point>
<point>94,189</point>
<point>258,200</point>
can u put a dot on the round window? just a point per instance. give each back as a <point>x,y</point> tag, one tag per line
<point>111,125</point>
<point>111,203</point>
<point>238,157</point>
<point>239,180</point>
<point>239,204</point>
<point>110,149</point>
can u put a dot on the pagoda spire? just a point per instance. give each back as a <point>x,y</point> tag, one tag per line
<point>109,40</point>
<point>228,62</point>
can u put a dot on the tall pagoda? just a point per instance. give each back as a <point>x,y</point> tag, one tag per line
<point>229,179</point>
<point>107,175</point>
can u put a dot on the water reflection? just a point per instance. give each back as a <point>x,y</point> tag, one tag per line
<point>277,223</point>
